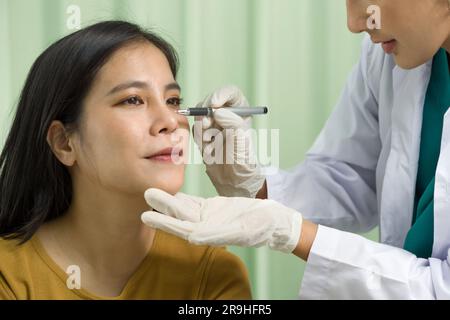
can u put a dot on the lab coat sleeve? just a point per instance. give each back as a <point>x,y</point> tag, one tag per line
<point>335,185</point>
<point>343,265</point>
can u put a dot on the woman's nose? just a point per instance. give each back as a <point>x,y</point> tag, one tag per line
<point>165,120</point>
<point>357,15</point>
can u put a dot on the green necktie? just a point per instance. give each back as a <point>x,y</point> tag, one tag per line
<point>420,237</point>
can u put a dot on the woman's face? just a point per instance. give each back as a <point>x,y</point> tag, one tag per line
<point>129,125</point>
<point>418,28</point>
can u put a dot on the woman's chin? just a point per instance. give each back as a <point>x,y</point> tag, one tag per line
<point>170,181</point>
<point>169,186</point>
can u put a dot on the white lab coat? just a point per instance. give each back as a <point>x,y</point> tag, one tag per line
<point>360,173</point>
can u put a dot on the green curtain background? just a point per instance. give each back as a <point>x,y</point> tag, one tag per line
<point>291,55</point>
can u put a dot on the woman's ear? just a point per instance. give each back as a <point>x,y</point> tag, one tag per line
<point>60,143</point>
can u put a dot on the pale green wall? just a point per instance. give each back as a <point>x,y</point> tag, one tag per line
<point>292,55</point>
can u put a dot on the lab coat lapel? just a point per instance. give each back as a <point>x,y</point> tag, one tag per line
<point>442,196</point>
<point>409,88</point>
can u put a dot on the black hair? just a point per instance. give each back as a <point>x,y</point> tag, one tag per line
<point>35,187</point>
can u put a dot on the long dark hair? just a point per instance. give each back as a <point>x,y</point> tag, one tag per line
<point>34,186</point>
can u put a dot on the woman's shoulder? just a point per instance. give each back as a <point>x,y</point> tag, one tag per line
<point>16,258</point>
<point>12,250</point>
<point>15,264</point>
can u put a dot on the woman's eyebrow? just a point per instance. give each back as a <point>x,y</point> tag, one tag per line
<point>141,85</point>
<point>127,85</point>
<point>173,86</point>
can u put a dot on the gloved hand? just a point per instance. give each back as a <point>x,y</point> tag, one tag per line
<point>238,174</point>
<point>222,221</point>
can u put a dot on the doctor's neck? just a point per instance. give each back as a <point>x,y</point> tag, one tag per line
<point>446,45</point>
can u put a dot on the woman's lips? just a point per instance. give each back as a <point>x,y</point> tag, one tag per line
<point>168,155</point>
<point>162,158</point>
<point>389,46</point>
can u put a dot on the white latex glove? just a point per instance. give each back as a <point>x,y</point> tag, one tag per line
<point>222,221</point>
<point>238,173</point>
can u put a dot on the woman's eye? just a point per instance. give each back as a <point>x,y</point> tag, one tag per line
<point>135,101</point>
<point>175,102</point>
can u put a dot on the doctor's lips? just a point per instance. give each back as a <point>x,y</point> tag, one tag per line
<point>388,46</point>
<point>167,155</point>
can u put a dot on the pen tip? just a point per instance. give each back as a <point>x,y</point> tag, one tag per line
<point>183,112</point>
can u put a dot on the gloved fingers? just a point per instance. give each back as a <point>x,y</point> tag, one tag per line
<point>228,96</point>
<point>192,200</point>
<point>208,149</point>
<point>168,224</point>
<point>213,153</point>
<point>211,134</point>
<point>203,134</point>
<point>207,122</point>
<point>228,120</point>
<point>225,235</point>
<point>203,122</point>
<point>170,205</point>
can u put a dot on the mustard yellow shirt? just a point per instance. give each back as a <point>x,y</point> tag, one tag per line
<point>173,269</point>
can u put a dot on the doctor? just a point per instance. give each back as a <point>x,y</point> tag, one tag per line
<point>382,159</point>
